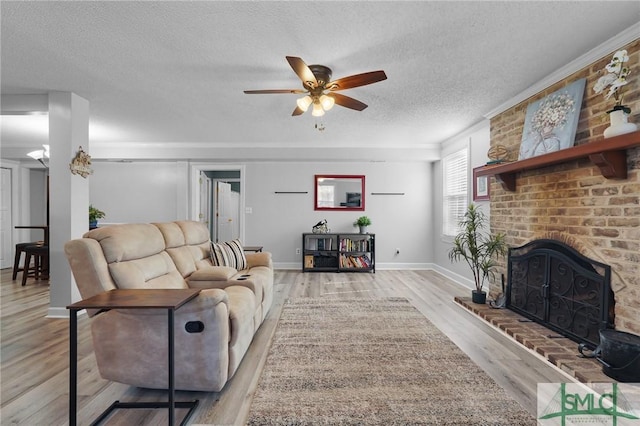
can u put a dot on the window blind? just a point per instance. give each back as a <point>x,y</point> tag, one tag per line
<point>454,169</point>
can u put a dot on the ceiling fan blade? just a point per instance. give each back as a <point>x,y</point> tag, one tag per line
<point>272,91</point>
<point>303,71</point>
<point>357,80</point>
<point>347,102</point>
<point>297,111</point>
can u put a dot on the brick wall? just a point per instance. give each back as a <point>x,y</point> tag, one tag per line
<point>572,202</point>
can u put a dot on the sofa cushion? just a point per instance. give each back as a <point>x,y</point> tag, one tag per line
<point>128,241</point>
<point>229,253</point>
<point>172,233</point>
<point>157,271</point>
<point>195,233</point>
<point>213,273</point>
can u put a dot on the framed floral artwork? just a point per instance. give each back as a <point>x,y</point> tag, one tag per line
<point>550,123</point>
<point>480,186</point>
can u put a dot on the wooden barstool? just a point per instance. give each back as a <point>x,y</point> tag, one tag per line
<point>16,262</point>
<point>40,269</point>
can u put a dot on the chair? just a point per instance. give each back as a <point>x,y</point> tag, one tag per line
<point>16,262</point>
<point>40,269</point>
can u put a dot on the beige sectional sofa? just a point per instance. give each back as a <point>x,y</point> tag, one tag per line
<point>212,332</point>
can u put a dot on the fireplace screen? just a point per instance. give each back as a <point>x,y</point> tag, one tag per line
<point>554,285</point>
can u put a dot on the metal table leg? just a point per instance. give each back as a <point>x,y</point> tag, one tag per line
<point>73,365</point>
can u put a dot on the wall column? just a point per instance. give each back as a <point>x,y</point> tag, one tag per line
<point>68,193</point>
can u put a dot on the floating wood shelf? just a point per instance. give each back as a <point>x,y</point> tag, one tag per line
<point>610,155</point>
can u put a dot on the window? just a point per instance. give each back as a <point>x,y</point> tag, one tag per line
<point>326,196</point>
<point>454,171</point>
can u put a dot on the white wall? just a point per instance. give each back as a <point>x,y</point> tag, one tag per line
<point>139,191</point>
<point>154,191</point>
<point>399,221</point>
<point>478,141</point>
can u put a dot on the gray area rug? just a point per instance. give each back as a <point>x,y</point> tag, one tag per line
<point>373,362</point>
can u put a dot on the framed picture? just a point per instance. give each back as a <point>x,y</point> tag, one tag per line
<point>480,186</point>
<point>550,123</point>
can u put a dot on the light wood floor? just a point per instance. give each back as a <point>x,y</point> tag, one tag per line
<point>34,351</point>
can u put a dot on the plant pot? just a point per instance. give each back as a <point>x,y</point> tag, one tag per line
<point>93,224</point>
<point>619,124</point>
<point>479,297</point>
<point>363,229</point>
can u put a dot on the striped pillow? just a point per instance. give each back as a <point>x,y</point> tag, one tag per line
<point>229,253</point>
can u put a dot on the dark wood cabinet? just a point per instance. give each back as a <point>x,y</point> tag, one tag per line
<point>338,252</point>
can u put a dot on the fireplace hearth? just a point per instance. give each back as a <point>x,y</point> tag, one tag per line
<point>552,284</point>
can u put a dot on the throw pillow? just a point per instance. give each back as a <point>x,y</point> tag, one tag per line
<point>228,253</point>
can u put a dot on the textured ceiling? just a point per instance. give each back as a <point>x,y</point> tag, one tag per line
<point>174,72</point>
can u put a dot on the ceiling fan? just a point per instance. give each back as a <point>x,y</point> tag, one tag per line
<point>320,90</point>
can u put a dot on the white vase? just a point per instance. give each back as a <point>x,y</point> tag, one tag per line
<point>619,124</point>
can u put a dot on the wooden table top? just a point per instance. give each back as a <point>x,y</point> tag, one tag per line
<point>138,299</point>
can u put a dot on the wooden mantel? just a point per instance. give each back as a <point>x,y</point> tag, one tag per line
<point>610,155</point>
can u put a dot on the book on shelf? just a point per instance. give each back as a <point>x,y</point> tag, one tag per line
<point>319,244</point>
<point>358,262</point>
<point>348,244</point>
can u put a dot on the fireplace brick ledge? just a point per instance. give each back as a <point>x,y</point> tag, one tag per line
<point>558,350</point>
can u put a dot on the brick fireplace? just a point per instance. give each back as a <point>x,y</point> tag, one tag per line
<point>554,285</point>
<point>571,201</point>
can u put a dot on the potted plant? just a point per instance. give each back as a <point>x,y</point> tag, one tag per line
<point>94,215</point>
<point>362,222</point>
<point>478,248</point>
<point>615,78</point>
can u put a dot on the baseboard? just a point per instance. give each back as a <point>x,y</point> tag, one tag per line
<point>58,313</point>
<point>294,266</point>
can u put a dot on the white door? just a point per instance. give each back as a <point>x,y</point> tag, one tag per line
<point>5,219</point>
<point>235,214</point>
<point>204,215</point>
<point>224,213</point>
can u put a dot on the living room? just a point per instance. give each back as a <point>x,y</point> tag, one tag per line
<point>403,192</point>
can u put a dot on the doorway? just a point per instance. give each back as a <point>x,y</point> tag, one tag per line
<point>5,219</point>
<point>219,200</point>
<point>225,205</point>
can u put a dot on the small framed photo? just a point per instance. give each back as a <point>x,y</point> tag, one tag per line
<point>480,186</point>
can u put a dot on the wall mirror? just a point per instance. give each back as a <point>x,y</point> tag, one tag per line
<point>339,192</point>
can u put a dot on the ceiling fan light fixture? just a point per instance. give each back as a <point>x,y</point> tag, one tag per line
<point>317,110</point>
<point>304,103</point>
<point>40,154</point>
<point>36,155</point>
<point>327,102</point>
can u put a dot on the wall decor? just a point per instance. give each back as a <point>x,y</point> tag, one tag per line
<point>81,164</point>
<point>320,227</point>
<point>339,192</point>
<point>480,186</point>
<point>550,123</point>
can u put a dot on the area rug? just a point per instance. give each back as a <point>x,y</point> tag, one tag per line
<point>373,362</point>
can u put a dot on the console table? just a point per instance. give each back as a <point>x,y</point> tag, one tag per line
<point>169,299</point>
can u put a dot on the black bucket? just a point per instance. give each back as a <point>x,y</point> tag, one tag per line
<point>619,354</point>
